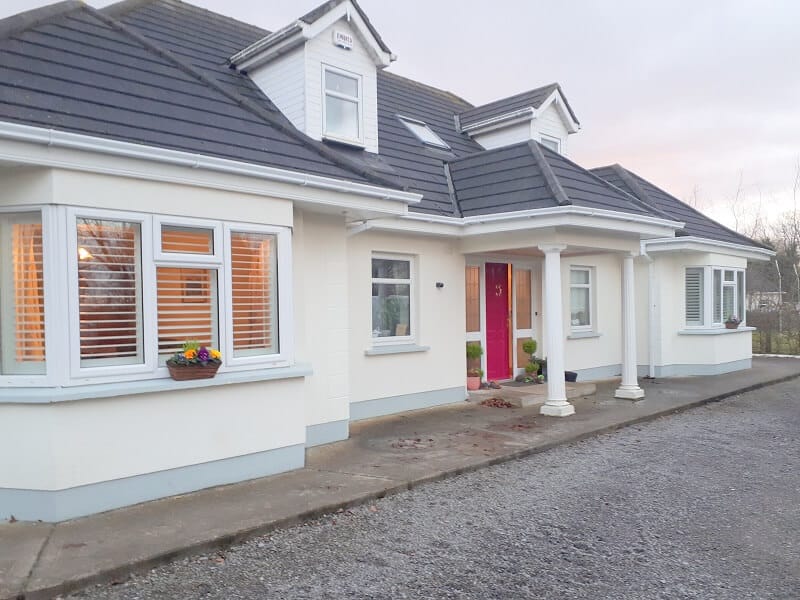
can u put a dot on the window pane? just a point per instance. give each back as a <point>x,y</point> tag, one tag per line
<point>694,296</point>
<point>341,118</point>
<point>523,292</point>
<point>110,292</point>
<point>717,296</point>
<point>579,307</point>
<point>342,84</point>
<point>187,308</point>
<point>254,278</point>
<point>384,268</point>
<point>21,295</point>
<point>473,290</point>
<point>740,305</point>
<point>425,134</point>
<point>579,276</point>
<point>189,240</point>
<point>391,309</point>
<point>727,302</point>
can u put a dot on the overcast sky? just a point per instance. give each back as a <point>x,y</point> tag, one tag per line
<point>692,95</point>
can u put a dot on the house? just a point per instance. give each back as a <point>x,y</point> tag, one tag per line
<point>338,231</point>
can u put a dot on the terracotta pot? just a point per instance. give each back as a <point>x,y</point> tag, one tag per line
<point>473,383</point>
<point>729,325</point>
<point>189,372</point>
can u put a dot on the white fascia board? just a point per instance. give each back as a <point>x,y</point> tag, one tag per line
<point>561,216</point>
<point>523,114</point>
<point>697,244</point>
<point>264,50</point>
<point>561,105</point>
<point>36,146</point>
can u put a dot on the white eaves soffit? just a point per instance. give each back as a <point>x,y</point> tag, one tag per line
<point>604,221</point>
<point>299,32</point>
<point>698,244</point>
<point>35,146</point>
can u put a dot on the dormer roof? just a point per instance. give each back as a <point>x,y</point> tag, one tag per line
<point>523,106</point>
<point>309,26</point>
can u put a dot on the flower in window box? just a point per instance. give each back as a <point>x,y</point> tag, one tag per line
<point>732,322</point>
<point>194,361</point>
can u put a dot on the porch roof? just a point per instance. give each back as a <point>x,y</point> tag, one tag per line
<point>529,176</point>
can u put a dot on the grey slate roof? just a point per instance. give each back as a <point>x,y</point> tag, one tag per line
<point>530,99</point>
<point>697,224</point>
<point>72,68</point>
<point>529,176</point>
<point>155,72</point>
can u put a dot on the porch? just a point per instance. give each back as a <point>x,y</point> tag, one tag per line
<point>572,292</point>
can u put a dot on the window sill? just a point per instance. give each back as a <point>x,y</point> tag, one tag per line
<point>714,331</point>
<point>398,349</point>
<point>580,335</point>
<point>49,395</point>
<point>344,141</point>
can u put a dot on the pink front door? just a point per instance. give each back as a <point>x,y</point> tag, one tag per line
<point>498,309</point>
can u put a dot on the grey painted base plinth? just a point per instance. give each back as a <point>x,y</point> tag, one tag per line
<point>60,505</point>
<point>396,404</point>
<point>325,433</point>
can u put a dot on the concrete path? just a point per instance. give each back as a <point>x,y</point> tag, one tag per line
<point>383,456</point>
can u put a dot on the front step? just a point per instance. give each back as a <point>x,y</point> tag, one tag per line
<point>531,395</point>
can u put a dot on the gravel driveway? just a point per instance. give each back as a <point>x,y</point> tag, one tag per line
<point>705,504</point>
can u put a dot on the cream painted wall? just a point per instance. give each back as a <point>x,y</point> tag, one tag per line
<point>76,443</point>
<point>606,349</point>
<point>321,50</point>
<point>693,349</point>
<point>441,319</point>
<point>106,191</point>
<point>323,333</point>
<point>26,186</point>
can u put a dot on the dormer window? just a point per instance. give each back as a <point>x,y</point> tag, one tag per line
<point>424,133</point>
<point>341,112</point>
<point>552,143</point>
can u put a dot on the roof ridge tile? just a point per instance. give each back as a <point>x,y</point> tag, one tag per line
<point>549,175</point>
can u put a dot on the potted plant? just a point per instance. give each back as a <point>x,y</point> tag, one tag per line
<point>732,322</point>
<point>474,374</point>
<point>532,368</point>
<point>194,361</point>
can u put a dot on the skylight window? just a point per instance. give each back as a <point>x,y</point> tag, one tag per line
<point>424,133</point>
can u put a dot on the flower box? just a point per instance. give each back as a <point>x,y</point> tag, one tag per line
<point>192,371</point>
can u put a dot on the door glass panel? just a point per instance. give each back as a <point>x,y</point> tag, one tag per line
<point>473,293</point>
<point>523,293</point>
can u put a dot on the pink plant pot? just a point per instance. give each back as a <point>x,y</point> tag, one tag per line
<point>473,383</point>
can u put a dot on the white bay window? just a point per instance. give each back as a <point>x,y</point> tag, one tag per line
<point>713,295</point>
<point>22,325</point>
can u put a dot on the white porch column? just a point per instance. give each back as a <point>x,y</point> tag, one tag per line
<point>629,388</point>
<point>556,405</point>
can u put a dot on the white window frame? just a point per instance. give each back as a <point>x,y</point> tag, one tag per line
<point>590,287</point>
<point>709,322</point>
<point>439,143</point>
<point>549,138</point>
<point>152,257</point>
<point>50,269</point>
<point>187,257</point>
<point>703,297</point>
<point>359,141</point>
<point>412,299</point>
<point>283,246</point>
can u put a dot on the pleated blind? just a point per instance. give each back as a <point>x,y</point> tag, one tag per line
<point>694,296</point>
<point>254,294</point>
<point>110,294</point>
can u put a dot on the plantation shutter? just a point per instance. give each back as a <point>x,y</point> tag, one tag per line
<point>254,294</point>
<point>187,308</point>
<point>110,292</point>
<point>694,296</point>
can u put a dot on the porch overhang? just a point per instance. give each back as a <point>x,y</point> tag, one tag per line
<point>573,217</point>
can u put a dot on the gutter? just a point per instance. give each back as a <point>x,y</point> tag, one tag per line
<point>681,243</point>
<point>74,141</point>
